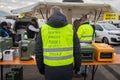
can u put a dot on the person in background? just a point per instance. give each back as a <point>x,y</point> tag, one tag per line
<point>85,31</point>
<point>10,30</point>
<point>4,30</point>
<point>57,47</point>
<point>85,35</point>
<point>76,24</point>
<point>32,29</point>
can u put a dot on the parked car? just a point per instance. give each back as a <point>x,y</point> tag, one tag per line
<point>117,24</point>
<point>107,33</point>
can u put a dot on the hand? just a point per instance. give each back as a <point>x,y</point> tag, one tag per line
<point>13,32</point>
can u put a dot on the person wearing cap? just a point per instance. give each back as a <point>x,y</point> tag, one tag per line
<point>3,30</point>
<point>57,48</point>
<point>32,29</point>
<point>85,31</point>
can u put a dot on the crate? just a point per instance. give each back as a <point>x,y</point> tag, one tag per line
<point>87,52</point>
<point>26,49</point>
<point>103,52</point>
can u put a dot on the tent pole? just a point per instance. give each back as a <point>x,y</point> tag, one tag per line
<point>99,14</point>
<point>47,13</point>
<point>94,25</point>
<point>42,14</point>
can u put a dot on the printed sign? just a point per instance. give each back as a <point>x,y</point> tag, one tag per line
<point>111,17</point>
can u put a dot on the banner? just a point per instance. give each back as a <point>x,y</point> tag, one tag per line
<point>111,17</point>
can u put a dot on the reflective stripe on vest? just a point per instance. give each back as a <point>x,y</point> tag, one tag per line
<point>86,36</point>
<point>85,33</point>
<point>57,45</point>
<point>57,49</point>
<point>58,58</point>
<point>89,41</point>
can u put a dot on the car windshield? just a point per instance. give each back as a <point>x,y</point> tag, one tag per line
<point>118,26</point>
<point>109,26</point>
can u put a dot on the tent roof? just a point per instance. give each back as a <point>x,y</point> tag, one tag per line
<point>71,10</point>
<point>24,9</point>
<point>3,13</point>
<point>64,5</point>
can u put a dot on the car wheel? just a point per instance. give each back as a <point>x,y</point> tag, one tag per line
<point>105,40</point>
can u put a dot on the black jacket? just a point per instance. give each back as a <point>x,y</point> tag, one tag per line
<point>57,20</point>
<point>31,34</point>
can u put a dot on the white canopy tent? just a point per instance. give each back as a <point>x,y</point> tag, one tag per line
<point>71,10</point>
<point>3,13</point>
<point>24,9</point>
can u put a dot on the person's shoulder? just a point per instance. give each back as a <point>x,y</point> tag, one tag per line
<point>82,25</point>
<point>1,29</point>
<point>69,25</point>
<point>44,26</point>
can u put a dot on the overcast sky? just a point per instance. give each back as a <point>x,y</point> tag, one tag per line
<point>8,5</point>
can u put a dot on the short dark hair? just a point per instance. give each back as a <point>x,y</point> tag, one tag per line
<point>83,18</point>
<point>3,24</point>
<point>34,20</point>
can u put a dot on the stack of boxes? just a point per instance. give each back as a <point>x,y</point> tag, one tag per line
<point>96,51</point>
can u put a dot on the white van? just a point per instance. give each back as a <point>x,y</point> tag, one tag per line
<point>107,33</point>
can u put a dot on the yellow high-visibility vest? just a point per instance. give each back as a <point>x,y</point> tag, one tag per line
<point>85,33</point>
<point>57,45</point>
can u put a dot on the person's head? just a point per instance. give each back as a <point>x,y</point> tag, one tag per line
<point>83,19</point>
<point>4,25</point>
<point>55,9</point>
<point>9,25</point>
<point>34,21</point>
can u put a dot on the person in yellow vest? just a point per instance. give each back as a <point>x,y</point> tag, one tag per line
<point>85,31</point>
<point>85,35</point>
<point>57,48</point>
